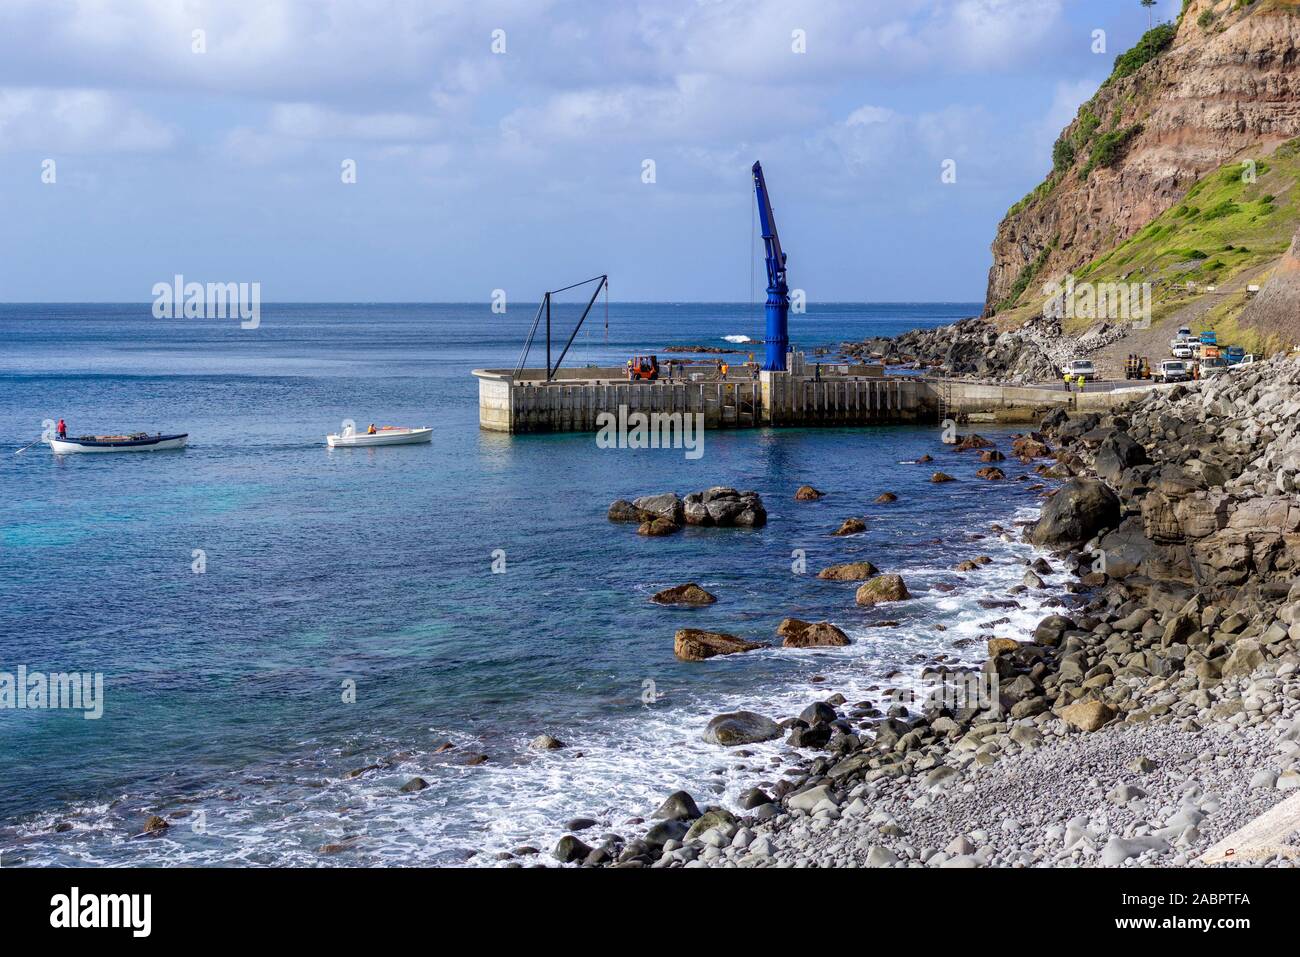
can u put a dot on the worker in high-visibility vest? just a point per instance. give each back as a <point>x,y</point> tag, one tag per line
<point>1082,380</point>
<point>1067,381</point>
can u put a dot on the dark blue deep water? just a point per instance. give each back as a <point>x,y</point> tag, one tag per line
<point>224,700</point>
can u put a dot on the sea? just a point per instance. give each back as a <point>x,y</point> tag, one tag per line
<point>287,634</point>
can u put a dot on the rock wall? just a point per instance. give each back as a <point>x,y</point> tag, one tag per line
<point>1220,89</point>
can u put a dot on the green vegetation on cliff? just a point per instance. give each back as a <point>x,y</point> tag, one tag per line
<point>1153,43</point>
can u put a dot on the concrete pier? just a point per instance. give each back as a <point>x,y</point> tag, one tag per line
<point>525,401</point>
<point>843,395</point>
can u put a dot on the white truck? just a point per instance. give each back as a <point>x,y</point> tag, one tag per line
<point>1080,367</point>
<point>1172,370</point>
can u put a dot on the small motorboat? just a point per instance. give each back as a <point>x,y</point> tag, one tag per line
<point>388,435</point>
<point>136,442</point>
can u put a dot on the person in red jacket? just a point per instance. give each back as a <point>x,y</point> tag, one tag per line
<point>62,429</point>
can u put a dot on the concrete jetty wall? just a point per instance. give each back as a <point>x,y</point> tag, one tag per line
<point>526,402</point>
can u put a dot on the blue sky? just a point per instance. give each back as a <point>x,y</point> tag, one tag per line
<point>522,170</point>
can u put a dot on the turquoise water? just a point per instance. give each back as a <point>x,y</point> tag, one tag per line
<point>224,691</point>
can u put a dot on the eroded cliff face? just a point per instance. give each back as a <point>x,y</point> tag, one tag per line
<point>1227,86</point>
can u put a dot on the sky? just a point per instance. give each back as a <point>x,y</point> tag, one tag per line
<point>522,145</point>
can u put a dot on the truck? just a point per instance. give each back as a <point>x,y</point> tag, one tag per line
<point>1172,370</point>
<point>1234,355</point>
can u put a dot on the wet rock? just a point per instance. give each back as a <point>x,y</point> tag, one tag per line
<point>570,849</point>
<point>544,742</point>
<point>155,824</point>
<point>657,528</point>
<point>688,594</point>
<point>991,472</point>
<point>882,588</point>
<point>941,477</point>
<point>694,644</point>
<point>740,727</point>
<point>849,572</point>
<point>819,635</point>
<point>413,785</point>
<point>884,498</point>
<point>851,526</point>
<point>807,493</point>
<point>678,806</point>
<point>624,511</point>
<point>973,441</point>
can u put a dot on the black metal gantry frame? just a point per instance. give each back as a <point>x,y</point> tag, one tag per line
<point>544,308</point>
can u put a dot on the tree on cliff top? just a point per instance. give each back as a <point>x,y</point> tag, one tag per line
<point>1149,4</point>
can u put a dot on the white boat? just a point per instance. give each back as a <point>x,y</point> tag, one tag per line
<point>137,442</point>
<point>388,435</point>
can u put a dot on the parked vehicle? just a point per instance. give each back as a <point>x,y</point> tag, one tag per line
<point>1172,370</point>
<point>1181,351</point>
<point>1137,367</point>
<point>1234,355</point>
<point>1080,367</point>
<point>1213,366</point>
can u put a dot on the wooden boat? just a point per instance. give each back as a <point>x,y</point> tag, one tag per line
<point>136,442</point>
<point>388,435</point>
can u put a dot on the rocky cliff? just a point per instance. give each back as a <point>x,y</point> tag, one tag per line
<point>1221,83</point>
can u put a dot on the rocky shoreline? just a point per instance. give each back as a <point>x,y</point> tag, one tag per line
<point>1154,715</point>
<point>976,349</point>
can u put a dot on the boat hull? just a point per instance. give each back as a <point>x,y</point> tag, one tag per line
<point>383,437</point>
<point>151,443</point>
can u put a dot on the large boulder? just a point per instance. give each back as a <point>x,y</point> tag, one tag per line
<point>820,635</point>
<point>665,505</point>
<point>849,572</point>
<point>882,588</point>
<point>624,511</point>
<point>688,594</point>
<point>694,644</point>
<point>1118,451</point>
<point>1087,715</point>
<point>678,806</point>
<point>740,727</point>
<point>1080,509</point>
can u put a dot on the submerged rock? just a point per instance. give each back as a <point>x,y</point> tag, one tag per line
<point>658,527</point>
<point>807,493</point>
<point>688,594</point>
<point>544,742</point>
<point>941,477</point>
<point>851,526</point>
<point>415,784</point>
<point>884,498</point>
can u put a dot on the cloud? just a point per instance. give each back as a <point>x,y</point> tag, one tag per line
<point>75,121</point>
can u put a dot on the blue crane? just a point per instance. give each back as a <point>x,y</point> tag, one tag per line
<point>777,309</point>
